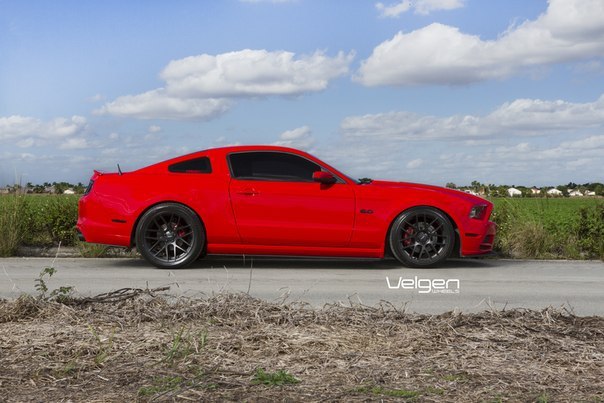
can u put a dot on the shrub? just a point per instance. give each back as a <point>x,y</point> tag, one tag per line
<point>50,219</point>
<point>590,231</point>
<point>12,210</point>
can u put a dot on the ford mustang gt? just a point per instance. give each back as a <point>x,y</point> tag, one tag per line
<point>269,200</point>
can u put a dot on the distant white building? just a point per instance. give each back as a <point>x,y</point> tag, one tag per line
<point>590,193</point>
<point>68,192</point>
<point>554,192</point>
<point>575,193</point>
<point>514,192</point>
<point>535,190</point>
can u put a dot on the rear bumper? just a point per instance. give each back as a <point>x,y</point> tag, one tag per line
<point>103,233</point>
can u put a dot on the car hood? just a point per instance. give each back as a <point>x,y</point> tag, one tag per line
<point>426,188</point>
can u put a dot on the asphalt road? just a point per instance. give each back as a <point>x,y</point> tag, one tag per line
<point>468,285</point>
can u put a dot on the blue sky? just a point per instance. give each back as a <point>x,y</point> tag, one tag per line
<point>436,91</point>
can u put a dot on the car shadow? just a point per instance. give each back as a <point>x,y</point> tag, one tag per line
<point>264,262</point>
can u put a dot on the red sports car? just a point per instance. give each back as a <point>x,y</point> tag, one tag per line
<point>268,200</point>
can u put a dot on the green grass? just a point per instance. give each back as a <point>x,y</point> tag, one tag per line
<point>550,228</point>
<point>12,210</point>
<point>43,220</point>
<point>161,385</point>
<point>277,378</point>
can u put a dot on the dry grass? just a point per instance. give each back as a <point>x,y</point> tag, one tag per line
<point>234,348</point>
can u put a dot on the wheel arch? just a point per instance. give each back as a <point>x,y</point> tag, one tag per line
<point>456,245</point>
<point>149,207</point>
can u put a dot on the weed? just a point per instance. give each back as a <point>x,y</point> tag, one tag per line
<point>277,378</point>
<point>61,294</point>
<point>93,250</point>
<point>40,283</point>
<point>434,391</point>
<point>69,368</point>
<point>459,378</point>
<point>184,343</point>
<point>12,209</point>
<point>161,385</point>
<point>381,391</point>
<point>171,383</point>
<point>104,346</point>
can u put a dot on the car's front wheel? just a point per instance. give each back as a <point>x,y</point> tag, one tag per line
<point>170,236</point>
<point>421,237</point>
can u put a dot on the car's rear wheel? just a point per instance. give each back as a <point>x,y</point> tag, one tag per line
<point>170,236</point>
<point>421,237</point>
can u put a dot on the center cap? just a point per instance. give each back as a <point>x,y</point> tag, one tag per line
<point>423,238</point>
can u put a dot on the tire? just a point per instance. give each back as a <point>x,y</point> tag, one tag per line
<point>421,237</point>
<point>170,236</point>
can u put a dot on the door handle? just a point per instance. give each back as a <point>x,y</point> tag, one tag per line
<point>248,192</point>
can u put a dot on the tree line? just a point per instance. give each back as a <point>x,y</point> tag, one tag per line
<point>46,188</point>
<point>493,190</point>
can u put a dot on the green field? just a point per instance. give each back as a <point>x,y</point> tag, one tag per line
<point>539,228</point>
<point>550,228</point>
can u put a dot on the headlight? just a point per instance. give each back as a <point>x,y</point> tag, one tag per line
<point>477,212</point>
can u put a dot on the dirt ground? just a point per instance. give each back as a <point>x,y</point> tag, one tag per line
<point>132,345</point>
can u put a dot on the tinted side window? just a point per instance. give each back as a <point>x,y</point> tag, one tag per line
<point>272,166</point>
<point>194,166</point>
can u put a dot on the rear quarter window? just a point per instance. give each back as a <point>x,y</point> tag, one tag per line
<point>193,166</point>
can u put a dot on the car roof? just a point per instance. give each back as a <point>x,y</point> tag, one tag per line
<point>221,151</point>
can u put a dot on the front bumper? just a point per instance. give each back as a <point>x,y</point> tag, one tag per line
<point>479,241</point>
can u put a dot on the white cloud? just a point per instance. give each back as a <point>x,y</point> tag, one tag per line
<point>96,98</point>
<point>26,143</point>
<point>300,137</point>
<point>393,10</point>
<point>569,30</point>
<point>29,131</point>
<point>157,104</point>
<point>416,163</point>
<point>520,117</point>
<point>74,143</point>
<point>154,129</point>
<point>423,7</point>
<point>201,87</point>
<point>252,73</point>
<point>578,159</point>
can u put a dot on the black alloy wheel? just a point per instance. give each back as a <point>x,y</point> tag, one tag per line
<point>170,236</point>
<point>421,237</point>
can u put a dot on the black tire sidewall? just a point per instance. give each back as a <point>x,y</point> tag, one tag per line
<point>395,231</point>
<point>191,218</point>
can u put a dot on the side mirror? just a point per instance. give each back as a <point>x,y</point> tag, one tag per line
<point>324,177</point>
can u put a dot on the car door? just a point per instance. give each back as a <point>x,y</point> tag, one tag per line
<point>276,202</point>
